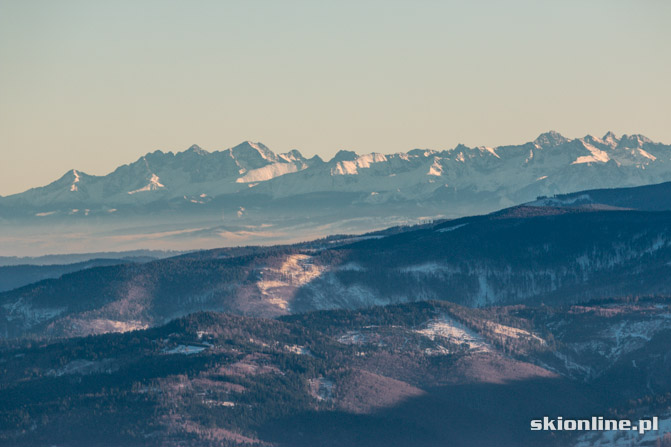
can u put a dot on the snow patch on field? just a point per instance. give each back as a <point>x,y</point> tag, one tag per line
<point>485,293</point>
<point>436,351</point>
<point>455,332</point>
<point>445,230</point>
<point>185,349</point>
<point>352,338</point>
<point>321,388</point>
<point>607,344</point>
<point>300,350</point>
<point>430,268</point>
<point>658,243</point>
<point>512,332</point>
<point>30,315</point>
<point>351,267</point>
<point>80,327</point>
<point>628,336</point>
<point>278,286</point>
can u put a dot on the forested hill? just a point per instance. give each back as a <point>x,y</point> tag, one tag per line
<point>525,254</point>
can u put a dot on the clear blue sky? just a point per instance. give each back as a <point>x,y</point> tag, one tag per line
<point>93,84</point>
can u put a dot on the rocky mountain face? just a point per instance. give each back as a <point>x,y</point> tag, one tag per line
<point>248,194</point>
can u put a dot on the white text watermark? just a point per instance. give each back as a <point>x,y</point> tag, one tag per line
<point>595,423</point>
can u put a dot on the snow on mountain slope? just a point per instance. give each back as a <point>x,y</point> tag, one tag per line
<point>450,329</point>
<point>598,156</point>
<point>153,185</point>
<point>271,171</point>
<point>278,286</point>
<point>548,165</point>
<point>593,338</point>
<point>193,172</point>
<point>73,187</point>
<point>200,196</point>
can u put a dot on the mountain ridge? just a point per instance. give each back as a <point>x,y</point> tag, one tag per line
<point>248,194</point>
<point>251,153</point>
<point>536,253</point>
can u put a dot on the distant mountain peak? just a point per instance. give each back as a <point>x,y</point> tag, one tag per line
<point>633,141</point>
<point>344,155</point>
<point>74,187</point>
<point>252,155</point>
<point>250,146</point>
<point>197,181</point>
<point>247,144</point>
<point>154,184</point>
<point>293,155</point>
<point>550,139</point>
<point>71,179</point>
<point>610,136</point>
<point>197,149</point>
<point>423,152</point>
<point>71,174</point>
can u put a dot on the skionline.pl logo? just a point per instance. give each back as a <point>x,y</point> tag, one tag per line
<point>596,423</point>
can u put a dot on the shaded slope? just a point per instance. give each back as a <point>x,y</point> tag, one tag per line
<point>519,255</point>
<point>215,379</point>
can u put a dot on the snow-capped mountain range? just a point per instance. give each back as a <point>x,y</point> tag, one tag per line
<point>550,164</point>
<point>251,185</point>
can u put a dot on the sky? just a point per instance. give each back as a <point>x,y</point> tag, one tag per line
<point>91,84</point>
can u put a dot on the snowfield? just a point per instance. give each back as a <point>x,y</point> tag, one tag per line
<point>458,333</point>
